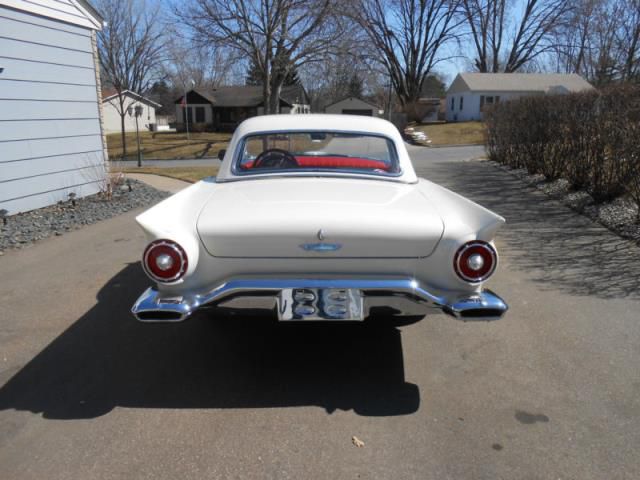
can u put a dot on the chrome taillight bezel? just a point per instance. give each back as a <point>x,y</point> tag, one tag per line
<point>178,253</point>
<point>479,246</point>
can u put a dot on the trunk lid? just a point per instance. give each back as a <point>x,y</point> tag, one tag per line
<point>319,218</point>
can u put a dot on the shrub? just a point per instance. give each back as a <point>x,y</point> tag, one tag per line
<point>592,139</point>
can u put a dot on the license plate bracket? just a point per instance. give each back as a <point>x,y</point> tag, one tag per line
<point>324,304</point>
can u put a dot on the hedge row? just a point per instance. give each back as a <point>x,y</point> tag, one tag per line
<point>590,139</point>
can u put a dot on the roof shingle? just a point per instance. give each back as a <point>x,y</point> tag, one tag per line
<point>524,82</point>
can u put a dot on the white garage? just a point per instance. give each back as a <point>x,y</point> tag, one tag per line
<point>354,106</point>
<point>51,138</point>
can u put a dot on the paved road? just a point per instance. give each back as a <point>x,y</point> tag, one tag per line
<point>552,391</point>
<point>436,153</point>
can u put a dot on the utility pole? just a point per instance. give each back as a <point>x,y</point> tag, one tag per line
<point>186,112</point>
<point>389,101</point>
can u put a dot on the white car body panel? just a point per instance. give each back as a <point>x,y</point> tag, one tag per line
<point>256,227</point>
<point>348,211</point>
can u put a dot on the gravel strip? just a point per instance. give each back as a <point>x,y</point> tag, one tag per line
<point>26,228</point>
<point>619,215</point>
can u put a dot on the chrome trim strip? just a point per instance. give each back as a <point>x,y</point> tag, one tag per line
<point>321,247</point>
<point>464,306</point>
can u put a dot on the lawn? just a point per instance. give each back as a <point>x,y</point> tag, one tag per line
<point>188,174</point>
<point>172,145</point>
<point>458,133</point>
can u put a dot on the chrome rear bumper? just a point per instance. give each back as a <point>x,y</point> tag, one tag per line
<point>152,306</point>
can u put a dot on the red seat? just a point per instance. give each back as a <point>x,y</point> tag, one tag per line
<point>313,161</point>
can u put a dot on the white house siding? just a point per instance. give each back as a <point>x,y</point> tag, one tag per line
<point>110,111</point>
<point>471,103</point>
<point>50,134</point>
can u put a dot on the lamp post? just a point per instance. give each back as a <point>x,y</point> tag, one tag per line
<point>186,107</point>
<point>137,112</point>
<point>186,112</point>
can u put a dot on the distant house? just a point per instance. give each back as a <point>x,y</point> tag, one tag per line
<point>111,111</point>
<point>223,108</point>
<point>354,106</point>
<point>51,137</point>
<point>471,93</point>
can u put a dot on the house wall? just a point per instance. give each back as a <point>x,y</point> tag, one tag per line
<point>111,113</point>
<point>471,103</point>
<point>296,108</point>
<point>352,103</point>
<point>50,136</point>
<point>299,108</point>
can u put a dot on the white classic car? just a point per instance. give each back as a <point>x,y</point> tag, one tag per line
<point>323,213</point>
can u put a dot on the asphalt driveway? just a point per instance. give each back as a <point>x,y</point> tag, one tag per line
<point>550,391</point>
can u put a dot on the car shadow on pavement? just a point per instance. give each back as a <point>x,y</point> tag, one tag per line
<point>226,359</point>
<point>559,248</point>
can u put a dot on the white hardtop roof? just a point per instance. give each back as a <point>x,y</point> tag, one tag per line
<point>319,122</point>
<point>518,82</point>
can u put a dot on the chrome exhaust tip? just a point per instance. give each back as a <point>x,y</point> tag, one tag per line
<point>150,307</point>
<point>481,306</point>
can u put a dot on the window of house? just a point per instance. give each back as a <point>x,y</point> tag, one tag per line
<point>461,102</point>
<point>487,101</point>
<point>200,115</point>
<point>453,99</point>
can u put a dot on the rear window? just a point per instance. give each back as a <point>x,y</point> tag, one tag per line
<point>317,151</point>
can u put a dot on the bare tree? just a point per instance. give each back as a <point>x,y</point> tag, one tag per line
<point>629,40</point>
<point>409,37</point>
<point>275,35</point>
<point>571,43</point>
<point>130,47</point>
<point>491,21</point>
<point>207,66</point>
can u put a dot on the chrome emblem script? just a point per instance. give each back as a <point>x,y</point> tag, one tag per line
<point>321,247</point>
<point>320,235</point>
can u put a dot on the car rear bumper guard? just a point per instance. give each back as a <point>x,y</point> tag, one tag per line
<point>154,306</point>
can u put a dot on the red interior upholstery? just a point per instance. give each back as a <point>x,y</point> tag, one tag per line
<point>340,162</point>
<point>313,161</point>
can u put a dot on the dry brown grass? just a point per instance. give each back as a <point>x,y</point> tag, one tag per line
<point>458,133</point>
<point>168,145</point>
<point>188,174</point>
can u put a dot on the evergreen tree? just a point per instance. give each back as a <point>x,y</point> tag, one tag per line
<point>355,87</point>
<point>254,76</point>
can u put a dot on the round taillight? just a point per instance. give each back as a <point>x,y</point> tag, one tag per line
<point>475,261</point>
<point>164,261</point>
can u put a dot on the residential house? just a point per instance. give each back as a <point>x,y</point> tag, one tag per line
<point>51,137</point>
<point>354,106</point>
<point>471,93</point>
<point>111,111</point>
<point>223,108</point>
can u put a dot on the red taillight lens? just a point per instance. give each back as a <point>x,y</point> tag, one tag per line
<point>475,261</point>
<point>164,261</point>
